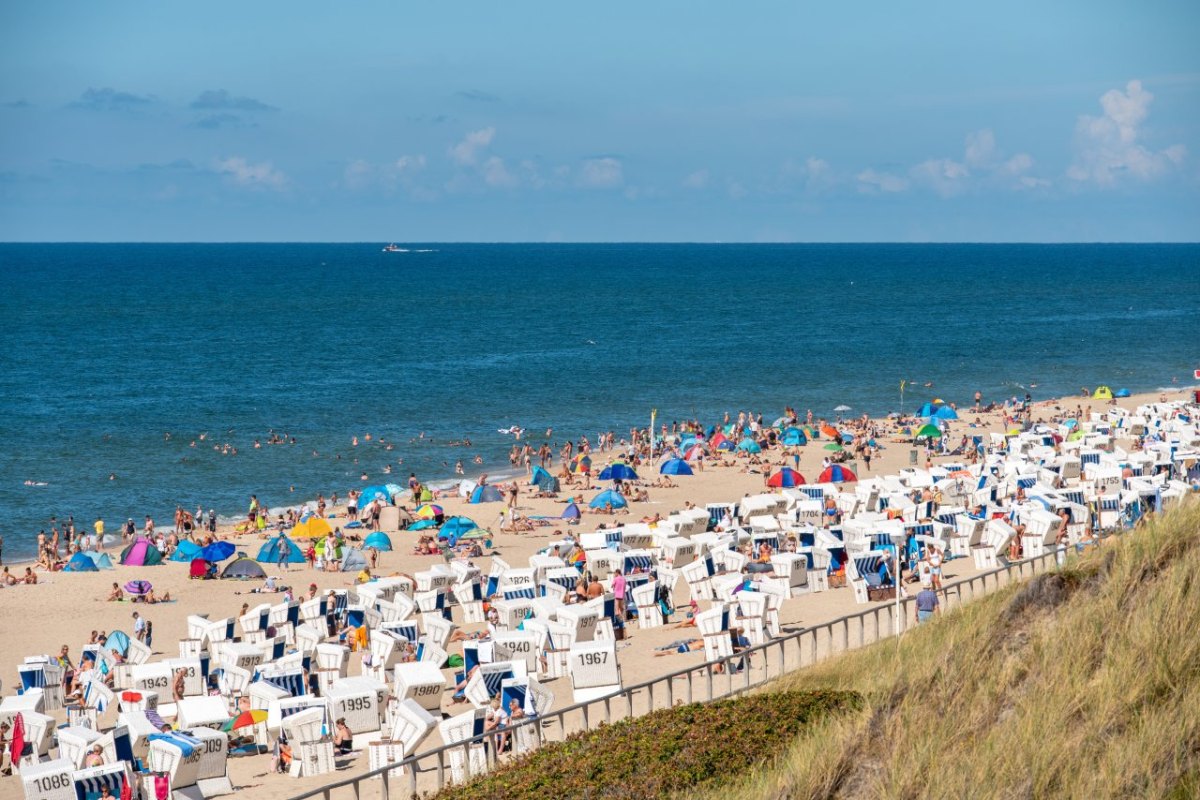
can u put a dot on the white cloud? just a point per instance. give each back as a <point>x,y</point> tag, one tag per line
<point>944,176</point>
<point>466,152</point>
<point>496,174</point>
<point>361,174</point>
<point>697,180</point>
<point>601,173</point>
<point>980,149</point>
<point>259,176</point>
<point>872,182</point>
<point>736,190</point>
<point>1107,146</point>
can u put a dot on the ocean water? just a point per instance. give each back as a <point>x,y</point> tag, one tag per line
<point>108,348</point>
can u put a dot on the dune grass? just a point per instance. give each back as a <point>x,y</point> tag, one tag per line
<point>1082,683</point>
<point>666,753</point>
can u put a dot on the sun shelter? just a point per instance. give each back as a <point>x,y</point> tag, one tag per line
<point>244,569</point>
<point>571,511</point>
<point>80,563</point>
<point>786,478</point>
<point>456,527</point>
<point>353,560</point>
<point>793,437</point>
<point>485,494</point>
<point>1102,393</point>
<point>675,466</point>
<point>618,471</point>
<point>101,560</point>
<point>372,493</point>
<point>280,550</point>
<point>544,480</point>
<point>185,552</point>
<point>311,527</point>
<point>748,445</point>
<point>608,497</point>
<point>836,473</point>
<point>142,553</point>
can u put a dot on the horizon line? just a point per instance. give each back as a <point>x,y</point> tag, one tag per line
<point>584,242</point>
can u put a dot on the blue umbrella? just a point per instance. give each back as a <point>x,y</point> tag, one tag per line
<point>379,540</point>
<point>217,551</point>
<point>618,472</point>
<point>608,496</point>
<point>675,466</point>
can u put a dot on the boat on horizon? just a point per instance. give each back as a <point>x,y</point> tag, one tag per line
<point>392,248</point>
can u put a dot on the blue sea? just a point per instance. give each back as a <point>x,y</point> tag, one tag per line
<point>109,348</point>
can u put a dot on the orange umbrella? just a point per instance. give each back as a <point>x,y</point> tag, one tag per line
<point>830,431</point>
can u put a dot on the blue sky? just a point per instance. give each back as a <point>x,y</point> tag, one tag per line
<point>553,121</point>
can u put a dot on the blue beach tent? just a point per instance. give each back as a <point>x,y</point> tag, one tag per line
<point>279,549</point>
<point>379,540</point>
<point>485,494</point>
<point>80,563</point>
<point>609,496</point>
<point>675,466</point>
<point>185,552</point>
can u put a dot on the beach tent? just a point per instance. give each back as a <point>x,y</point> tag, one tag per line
<point>379,540</point>
<point>423,524</point>
<point>117,642</point>
<point>694,453</point>
<point>836,474</point>
<point>608,496</point>
<point>618,471</point>
<point>374,492</point>
<point>786,478</point>
<point>217,551</point>
<point>354,560</point>
<point>721,442</point>
<point>80,563</point>
<point>280,549</point>
<point>485,494</point>
<point>675,466</point>
<point>142,553</point>
<point>544,480</point>
<point>793,437</point>
<point>101,560</point>
<point>311,527</point>
<point>1102,393</point>
<point>1121,393</point>
<point>928,432</point>
<point>571,511</point>
<point>748,445</point>
<point>927,410</point>
<point>243,569</point>
<point>946,412</point>
<point>456,527</point>
<point>185,552</point>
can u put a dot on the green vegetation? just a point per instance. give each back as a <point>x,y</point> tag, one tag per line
<point>664,753</point>
<point>1083,683</point>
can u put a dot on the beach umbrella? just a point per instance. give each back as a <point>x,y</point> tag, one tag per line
<point>311,527</point>
<point>833,447</point>
<point>456,527</point>
<point>786,478</point>
<point>842,408</point>
<point>793,437</point>
<point>581,463</point>
<point>485,494</point>
<point>217,551</point>
<point>243,569</point>
<point>571,511</point>
<point>429,511</point>
<point>748,445</point>
<point>80,563</point>
<point>946,412</point>
<point>928,432</point>
<point>847,438</point>
<point>138,588</point>
<point>609,496</point>
<point>246,719</point>
<point>618,471</point>
<point>280,549</point>
<point>836,473</point>
<point>694,452</point>
<point>675,466</point>
<point>373,493</point>
<point>379,540</point>
<point>185,551</point>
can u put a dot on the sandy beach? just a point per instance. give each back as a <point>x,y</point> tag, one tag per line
<point>64,609</point>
